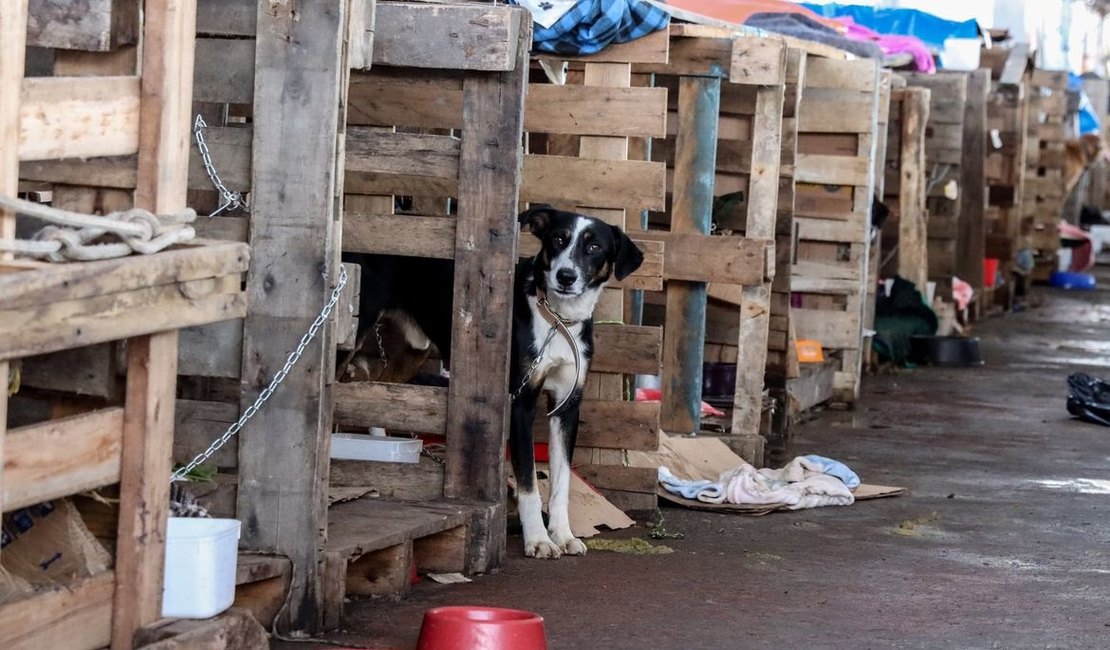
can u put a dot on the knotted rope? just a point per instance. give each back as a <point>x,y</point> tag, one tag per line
<point>73,236</point>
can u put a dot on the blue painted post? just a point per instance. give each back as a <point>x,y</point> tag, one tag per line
<point>699,104</point>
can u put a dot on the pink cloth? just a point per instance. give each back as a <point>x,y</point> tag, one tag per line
<point>893,44</point>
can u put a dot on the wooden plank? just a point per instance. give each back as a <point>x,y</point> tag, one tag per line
<point>694,257</point>
<point>94,25</point>
<point>406,97</point>
<point>627,349</point>
<point>224,71</point>
<point>699,105</point>
<point>145,465</point>
<point>755,309</point>
<point>91,279</point>
<point>485,259</point>
<point>115,316</point>
<point>758,61</point>
<point>632,184</point>
<point>422,481</point>
<point>612,425</point>
<point>230,149</point>
<point>408,235</point>
<point>420,409</point>
<point>109,172</point>
<point>234,628</point>
<point>66,117</point>
<point>76,616</point>
<point>13,36</point>
<point>61,457</point>
<point>363,25</point>
<point>459,37</point>
<point>913,261</point>
<point>283,455</point>
<point>858,76</point>
<point>832,328</point>
<point>429,158</point>
<point>971,241</point>
<point>593,110</point>
<point>832,170</point>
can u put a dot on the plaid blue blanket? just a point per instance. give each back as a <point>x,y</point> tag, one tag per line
<point>591,25</point>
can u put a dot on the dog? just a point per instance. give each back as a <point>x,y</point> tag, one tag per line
<point>554,296</point>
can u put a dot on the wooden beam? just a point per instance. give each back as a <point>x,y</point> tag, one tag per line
<point>67,117</point>
<point>971,241</point>
<point>699,104</point>
<point>283,451</point>
<point>485,259</point>
<point>913,263</point>
<point>75,616</point>
<point>420,409</point>
<point>610,424</point>
<point>593,110</point>
<point>61,457</point>
<point>755,308</point>
<point>145,466</point>
<point>632,349</point>
<point>631,184</point>
<point>457,37</point>
<point>757,60</point>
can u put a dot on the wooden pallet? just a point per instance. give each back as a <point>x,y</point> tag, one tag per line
<point>835,182</point>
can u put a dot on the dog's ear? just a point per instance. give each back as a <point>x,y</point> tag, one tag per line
<point>537,218</point>
<point>628,256</point>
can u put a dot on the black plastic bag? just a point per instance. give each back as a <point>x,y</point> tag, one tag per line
<point>1089,398</point>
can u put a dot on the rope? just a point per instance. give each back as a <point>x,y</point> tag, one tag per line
<point>73,236</point>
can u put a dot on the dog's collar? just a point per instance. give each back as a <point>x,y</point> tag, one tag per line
<point>550,315</point>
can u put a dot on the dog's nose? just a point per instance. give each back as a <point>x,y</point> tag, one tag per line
<point>566,277</point>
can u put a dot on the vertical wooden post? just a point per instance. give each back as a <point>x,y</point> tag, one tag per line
<point>144,484</point>
<point>13,38</point>
<point>485,261</point>
<point>169,30</point>
<point>695,168</point>
<point>755,305</point>
<point>913,246</point>
<point>301,77</point>
<point>971,242</point>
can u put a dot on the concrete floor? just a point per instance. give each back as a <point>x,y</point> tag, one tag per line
<point>1003,540</point>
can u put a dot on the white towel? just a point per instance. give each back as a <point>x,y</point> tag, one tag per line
<point>800,484</point>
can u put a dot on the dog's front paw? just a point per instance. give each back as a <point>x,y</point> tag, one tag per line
<point>542,548</point>
<point>569,544</point>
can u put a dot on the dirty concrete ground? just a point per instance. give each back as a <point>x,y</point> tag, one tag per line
<point>1003,540</point>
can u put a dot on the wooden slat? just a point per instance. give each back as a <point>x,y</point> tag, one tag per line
<point>485,259</point>
<point>592,110</point>
<point>758,61</point>
<point>61,457</point>
<point>406,97</point>
<point>283,457</point>
<point>833,329</point>
<point>375,152</point>
<point>971,240</point>
<point>230,149</point>
<point>400,235</point>
<point>145,464</point>
<point>611,425</point>
<point>627,349</point>
<point>833,170</point>
<point>858,75</point>
<point>912,238</point>
<point>632,184</point>
<point>702,258</point>
<point>115,172</point>
<point>421,409</point>
<point>460,37</point>
<point>77,616</point>
<point>226,17</point>
<point>66,117</point>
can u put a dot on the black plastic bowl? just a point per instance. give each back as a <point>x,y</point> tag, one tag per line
<point>945,351</point>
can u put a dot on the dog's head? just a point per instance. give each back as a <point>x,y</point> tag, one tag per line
<point>578,253</point>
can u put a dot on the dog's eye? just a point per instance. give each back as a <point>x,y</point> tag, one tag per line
<point>593,248</point>
<point>558,240</point>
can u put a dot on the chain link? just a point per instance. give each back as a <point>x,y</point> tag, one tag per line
<point>291,361</point>
<point>381,344</point>
<point>535,364</point>
<point>228,200</point>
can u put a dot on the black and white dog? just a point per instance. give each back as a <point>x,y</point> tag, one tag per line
<point>553,303</point>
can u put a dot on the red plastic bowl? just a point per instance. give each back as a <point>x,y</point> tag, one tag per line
<point>481,628</point>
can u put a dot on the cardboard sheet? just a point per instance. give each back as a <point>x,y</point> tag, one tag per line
<point>588,508</point>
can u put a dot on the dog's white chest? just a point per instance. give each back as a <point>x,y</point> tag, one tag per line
<point>557,359</point>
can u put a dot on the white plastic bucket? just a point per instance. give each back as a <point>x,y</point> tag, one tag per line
<point>390,449</point>
<point>201,559</point>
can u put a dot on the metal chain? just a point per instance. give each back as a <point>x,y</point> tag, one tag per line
<point>381,345</point>
<point>292,360</point>
<point>535,363</point>
<point>228,200</point>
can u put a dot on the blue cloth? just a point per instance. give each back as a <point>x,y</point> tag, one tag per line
<point>837,469</point>
<point>907,22</point>
<point>591,25</point>
<point>1088,117</point>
